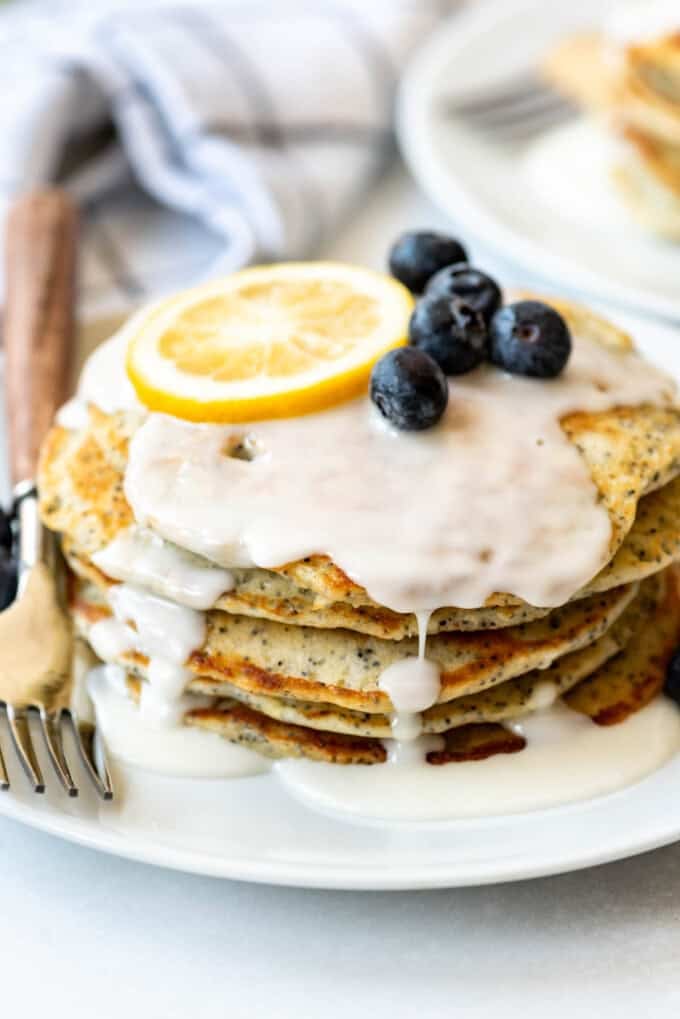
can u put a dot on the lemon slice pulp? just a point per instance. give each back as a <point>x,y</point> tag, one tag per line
<point>273,341</point>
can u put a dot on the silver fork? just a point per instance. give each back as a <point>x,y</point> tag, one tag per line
<point>511,110</point>
<point>36,644</point>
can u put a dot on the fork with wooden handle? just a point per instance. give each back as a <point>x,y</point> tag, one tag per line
<point>36,644</point>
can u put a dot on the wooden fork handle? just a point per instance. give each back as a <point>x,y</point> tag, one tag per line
<point>38,321</point>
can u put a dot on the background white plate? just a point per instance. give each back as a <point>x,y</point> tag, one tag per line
<point>252,829</point>
<point>483,186</point>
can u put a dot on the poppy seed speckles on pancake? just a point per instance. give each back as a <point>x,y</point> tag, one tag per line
<point>275,739</point>
<point>631,680</point>
<point>508,700</point>
<point>271,738</point>
<point>345,667</point>
<point>266,595</point>
<point>630,676</point>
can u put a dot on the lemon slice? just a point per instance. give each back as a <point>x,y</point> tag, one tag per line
<point>273,341</point>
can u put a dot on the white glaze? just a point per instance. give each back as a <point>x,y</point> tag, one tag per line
<point>140,557</point>
<point>163,631</point>
<point>447,516</point>
<point>110,638</point>
<point>543,696</point>
<point>170,750</point>
<point>410,752</point>
<point>413,685</point>
<point>73,415</point>
<point>103,381</point>
<point>162,701</point>
<point>567,758</point>
<point>83,661</point>
<point>167,634</point>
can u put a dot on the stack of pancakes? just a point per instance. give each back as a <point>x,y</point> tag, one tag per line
<point>636,87</point>
<point>293,657</point>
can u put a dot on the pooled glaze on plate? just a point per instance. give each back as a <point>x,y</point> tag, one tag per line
<point>566,758</point>
<point>171,750</point>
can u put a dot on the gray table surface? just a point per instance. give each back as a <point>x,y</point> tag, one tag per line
<point>85,934</point>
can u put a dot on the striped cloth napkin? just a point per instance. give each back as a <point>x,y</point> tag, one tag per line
<point>199,137</point>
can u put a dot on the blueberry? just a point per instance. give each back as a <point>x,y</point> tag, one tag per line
<point>451,332</point>
<point>529,338</point>
<point>475,288</point>
<point>672,684</point>
<point>6,538</point>
<point>409,389</point>
<point>418,255</point>
<point>8,582</point>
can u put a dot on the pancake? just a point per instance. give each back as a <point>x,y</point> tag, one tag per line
<point>622,686</point>
<point>651,545</point>
<point>633,679</point>
<point>239,724</point>
<point>266,595</point>
<point>630,452</point>
<point>276,740</point>
<point>647,176</point>
<point>650,90</point>
<point>639,91</point>
<point>507,700</point>
<point>344,668</point>
<point>476,743</point>
<point>536,689</point>
<point>639,87</point>
<point>578,67</point>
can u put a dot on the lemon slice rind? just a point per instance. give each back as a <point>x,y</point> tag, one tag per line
<point>164,387</point>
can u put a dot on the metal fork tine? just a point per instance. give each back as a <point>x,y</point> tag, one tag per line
<point>526,110</point>
<point>509,89</point>
<point>4,777</point>
<point>55,748</point>
<point>21,738</point>
<point>508,104</point>
<point>85,739</point>
<point>513,109</point>
<point>518,131</point>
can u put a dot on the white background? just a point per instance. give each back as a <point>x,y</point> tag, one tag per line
<point>86,934</point>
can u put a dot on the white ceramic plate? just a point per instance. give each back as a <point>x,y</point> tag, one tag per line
<point>251,829</point>
<point>572,230</point>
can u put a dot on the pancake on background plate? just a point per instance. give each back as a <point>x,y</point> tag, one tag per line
<point>628,75</point>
